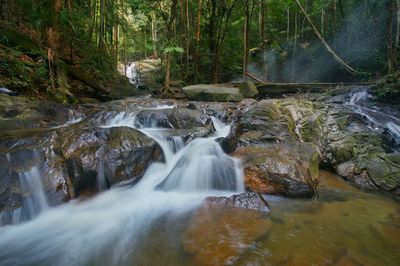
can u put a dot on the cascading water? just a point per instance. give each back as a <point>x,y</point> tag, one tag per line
<point>132,74</point>
<point>376,116</point>
<point>106,229</point>
<point>129,73</point>
<point>34,200</point>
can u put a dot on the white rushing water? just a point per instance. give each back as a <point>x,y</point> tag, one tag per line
<point>34,200</point>
<point>376,116</point>
<point>106,229</point>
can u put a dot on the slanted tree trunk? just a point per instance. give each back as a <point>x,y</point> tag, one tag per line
<point>347,67</point>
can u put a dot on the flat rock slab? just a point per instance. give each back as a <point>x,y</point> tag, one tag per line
<point>248,200</point>
<point>213,93</point>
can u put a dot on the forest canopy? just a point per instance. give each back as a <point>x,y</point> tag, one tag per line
<point>198,41</point>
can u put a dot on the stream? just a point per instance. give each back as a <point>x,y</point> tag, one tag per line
<point>162,220</point>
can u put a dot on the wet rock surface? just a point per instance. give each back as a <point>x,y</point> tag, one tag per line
<point>281,142</point>
<point>249,200</point>
<point>121,153</point>
<point>281,169</point>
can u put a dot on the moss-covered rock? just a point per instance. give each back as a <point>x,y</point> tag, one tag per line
<point>213,93</point>
<point>248,89</point>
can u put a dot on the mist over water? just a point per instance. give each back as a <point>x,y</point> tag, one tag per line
<point>360,41</point>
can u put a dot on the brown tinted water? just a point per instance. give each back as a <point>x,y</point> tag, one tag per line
<point>345,226</point>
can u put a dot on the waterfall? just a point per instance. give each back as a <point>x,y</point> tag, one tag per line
<point>129,73</point>
<point>34,200</point>
<point>106,229</point>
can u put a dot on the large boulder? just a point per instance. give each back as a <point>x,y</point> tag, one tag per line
<point>289,169</point>
<point>248,89</point>
<point>358,153</point>
<point>213,93</point>
<point>30,168</point>
<point>119,155</point>
<point>177,118</point>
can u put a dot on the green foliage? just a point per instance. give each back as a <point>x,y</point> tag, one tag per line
<point>99,35</point>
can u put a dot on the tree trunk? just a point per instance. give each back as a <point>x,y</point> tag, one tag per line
<point>263,38</point>
<point>53,43</point>
<point>188,38</point>
<point>167,72</point>
<point>398,24</point>
<point>169,35</point>
<point>391,48</point>
<point>288,23</point>
<point>246,25</point>
<point>328,48</point>
<point>294,48</point>
<point>213,40</point>
<point>196,50</point>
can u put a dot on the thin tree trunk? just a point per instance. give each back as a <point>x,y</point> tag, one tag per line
<point>187,38</point>
<point>294,48</point>
<point>213,40</point>
<point>246,25</point>
<point>167,72</point>
<point>391,48</point>
<point>263,38</point>
<point>196,50</point>
<point>169,35</point>
<point>398,24</point>
<point>288,23</point>
<point>322,21</point>
<point>53,40</point>
<point>245,41</point>
<point>328,48</point>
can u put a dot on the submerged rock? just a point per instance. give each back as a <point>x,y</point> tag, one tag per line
<point>218,236</point>
<point>213,93</point>
<point>248,200</point>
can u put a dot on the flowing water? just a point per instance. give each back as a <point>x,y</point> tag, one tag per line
<point>107,229</point>
<point>161,220</point>
<point>132,74</point>
<point>34,199</point>
<point>379,118</point>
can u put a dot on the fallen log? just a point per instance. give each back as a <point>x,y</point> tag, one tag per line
<point>273,89</point>
<point>82,76</point>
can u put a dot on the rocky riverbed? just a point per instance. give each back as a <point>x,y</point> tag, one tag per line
<point>76,152</point>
